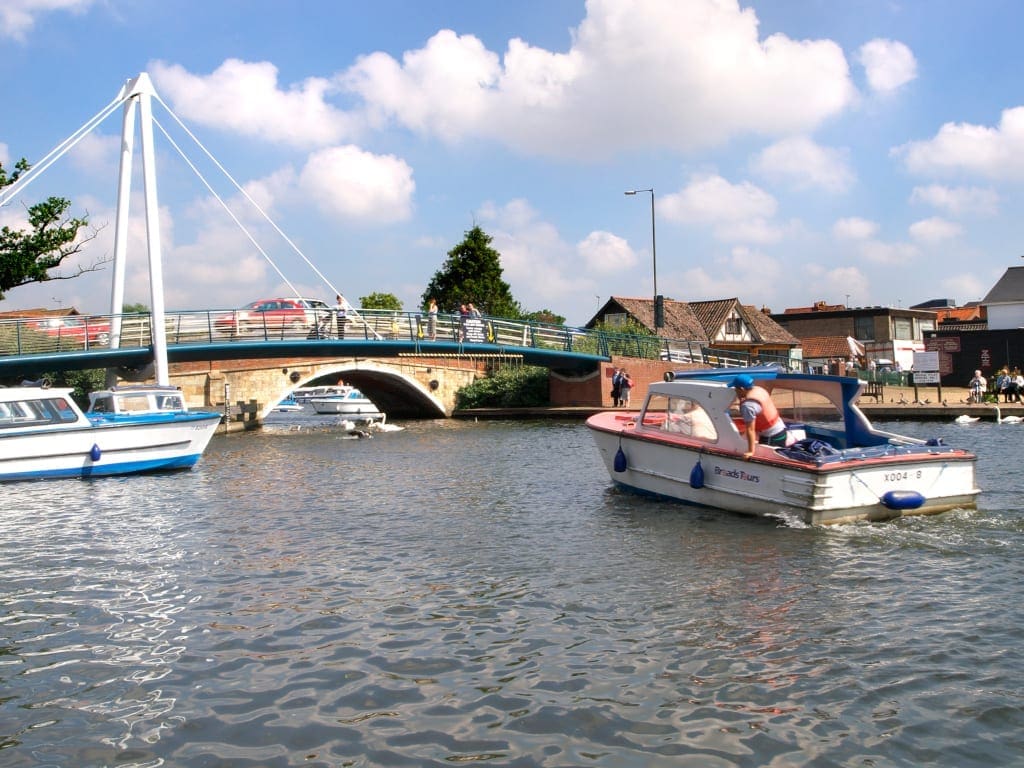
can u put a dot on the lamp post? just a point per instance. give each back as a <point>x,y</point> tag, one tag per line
<point>659,319</point>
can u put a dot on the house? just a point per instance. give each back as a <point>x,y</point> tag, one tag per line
<point>1004,304</point>
<point>886,333</point>
<point>724,324</point>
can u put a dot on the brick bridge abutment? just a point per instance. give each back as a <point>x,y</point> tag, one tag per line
<point>402,387</point>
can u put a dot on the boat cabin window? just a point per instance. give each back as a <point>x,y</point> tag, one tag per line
<point>23,413</point>
<point>683,416</point>
<point>134,403</point>
<point>806,407</point>
<point>170,402</point>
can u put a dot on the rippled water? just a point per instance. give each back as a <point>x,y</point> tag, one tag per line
<point>467,592</point>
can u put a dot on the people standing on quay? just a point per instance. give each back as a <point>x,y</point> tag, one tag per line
<point>977,386</point>
<point>616,387</point>
<point>432,320</point>
<point>625,385</point>
<point>463,316</point>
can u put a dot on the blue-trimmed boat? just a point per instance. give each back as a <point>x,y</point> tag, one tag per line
<point>126,430</point>
<point>688,443</point>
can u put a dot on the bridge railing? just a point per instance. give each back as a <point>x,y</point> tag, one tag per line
<point>50,335</point>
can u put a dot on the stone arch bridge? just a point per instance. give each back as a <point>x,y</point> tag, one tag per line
<point>408,386</point>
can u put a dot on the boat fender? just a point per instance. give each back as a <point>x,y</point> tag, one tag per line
<point>620,460</point>
<point>95,452</point>
<point>697,476</point>
<point>902,499</point>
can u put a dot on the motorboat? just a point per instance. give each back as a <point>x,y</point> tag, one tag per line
<point>126,430</point>
<point>348,402</point>
<point>688,442</point>
<point>288,405</point>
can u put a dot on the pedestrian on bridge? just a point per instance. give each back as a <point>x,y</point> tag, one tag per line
<point>432,320</point>
<point>340,314</point>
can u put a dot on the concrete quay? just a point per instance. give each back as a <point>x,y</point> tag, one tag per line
<point>897,403</point>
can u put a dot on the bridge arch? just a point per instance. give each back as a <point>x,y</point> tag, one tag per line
<point>397,393</point>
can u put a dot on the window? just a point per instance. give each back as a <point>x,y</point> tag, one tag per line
<point>683,416</point>
<point>902,328</point>
<point>733,326</point>
<point>864,328</point>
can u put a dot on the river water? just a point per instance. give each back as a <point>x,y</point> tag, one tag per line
<point>476,592</point>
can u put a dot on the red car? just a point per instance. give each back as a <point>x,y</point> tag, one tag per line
<point>74,330</point>
<point>284,315</point>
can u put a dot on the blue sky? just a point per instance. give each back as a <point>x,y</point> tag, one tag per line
<point>867,152</point>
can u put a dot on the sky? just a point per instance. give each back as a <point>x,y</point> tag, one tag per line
<point>858,152</point>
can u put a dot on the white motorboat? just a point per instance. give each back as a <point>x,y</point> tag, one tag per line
<point>127,430</point>
<point>687,443</point>
<point>348,402</point>
<point>288,405</point>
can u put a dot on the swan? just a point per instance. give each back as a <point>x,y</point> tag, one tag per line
<point>1008,419</point>
<point>965,419</point>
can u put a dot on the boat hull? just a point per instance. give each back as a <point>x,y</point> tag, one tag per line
<point>349,408</point>
<point>842,491</point>
<point>115,446</point>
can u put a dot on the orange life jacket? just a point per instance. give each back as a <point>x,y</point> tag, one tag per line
<point>768,420</point>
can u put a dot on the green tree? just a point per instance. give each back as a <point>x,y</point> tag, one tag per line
<point>544,316</point>
<point>381,301</point>
<point>130,309</point>
<point>27,256</point>
<point>472,274</point>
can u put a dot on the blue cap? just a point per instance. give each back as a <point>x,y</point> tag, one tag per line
<point>743,381</point>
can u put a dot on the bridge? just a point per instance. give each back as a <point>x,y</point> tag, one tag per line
<point>378,350</point>
<point>145,346</point>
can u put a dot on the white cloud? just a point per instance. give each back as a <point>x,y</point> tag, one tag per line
<point>697,71</point>
<point>934,230</point>
<point>18,17</point>
<point>840,281</point>
<point>806,164</point>
<point>965,287</point>
<point>888,253</point>
<point>957,201</point>
<point>358,185</point>
<point>888,64</point>
<point>854,228</point>
<point>604,252</point>
<point>245,98</point>
<point>996,153</point>
<point>737,213</point>
<point>746,273</point>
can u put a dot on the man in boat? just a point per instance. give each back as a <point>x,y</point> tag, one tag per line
<point>761,417</point>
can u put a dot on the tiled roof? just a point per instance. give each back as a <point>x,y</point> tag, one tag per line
<point>699,320</point>
<point>1009,289</point>
<point>766,330</point>
<point>820,347</point>
<point>680,322</point>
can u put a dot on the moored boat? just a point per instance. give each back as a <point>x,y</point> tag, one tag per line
<point>348,402</point>
<point>288,405</point>
<point>688,443</point>
<point>127,430</point>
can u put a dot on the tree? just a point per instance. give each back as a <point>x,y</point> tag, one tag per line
<point>27,256</point>
<point>133,309</point>
<point>544,316</point>
<point>472,274</point>
<point>381,301</point>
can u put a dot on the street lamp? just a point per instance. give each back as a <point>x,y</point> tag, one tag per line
<point>659,313</point>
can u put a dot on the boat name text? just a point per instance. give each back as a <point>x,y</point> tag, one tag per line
<point>739,474</point>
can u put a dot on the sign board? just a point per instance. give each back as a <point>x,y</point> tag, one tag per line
<point>474,331</point>
<point>926,361</point>
<point>926,377</point>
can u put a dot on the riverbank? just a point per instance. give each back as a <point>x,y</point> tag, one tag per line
<point>896,403</point>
